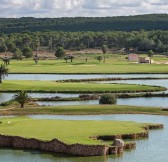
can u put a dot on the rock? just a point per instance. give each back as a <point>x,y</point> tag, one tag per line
<point>118,143</point>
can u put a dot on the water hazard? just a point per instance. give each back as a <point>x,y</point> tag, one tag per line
<point>78,76</point>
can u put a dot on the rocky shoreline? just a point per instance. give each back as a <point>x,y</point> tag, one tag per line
<point>57,146</point>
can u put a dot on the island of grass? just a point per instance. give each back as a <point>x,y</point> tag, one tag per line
<point>51,86</point>
<point>80,110</point>
<point>81,138</point>
<point>112,65</point>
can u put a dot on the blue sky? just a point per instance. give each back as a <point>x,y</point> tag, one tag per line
<point>73,8</point>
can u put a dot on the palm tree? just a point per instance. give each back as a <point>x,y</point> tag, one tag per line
<point>22,97</point>
<point>3,72</point>
<point>104,50</point>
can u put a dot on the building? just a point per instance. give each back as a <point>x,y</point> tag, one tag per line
<point>144,60</point>
<point>133,57</point>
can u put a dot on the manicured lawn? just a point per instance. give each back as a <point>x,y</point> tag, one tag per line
<point>80,66</point>
<point>51,86</point>
<point>67,131</point>
<point>84,110</point>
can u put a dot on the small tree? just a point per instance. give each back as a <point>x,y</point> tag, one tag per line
<point>104,50</point>
<point>3,72</point>
<point>108,99</point>
<point>66,59</point>
<point>71,57</point>
<point>18,54</point>
<point>60,52</point>
<point>150,55</point>
<point>27,52</point>
<point>22,98</point>
<point>99,58</point>
<point>36,59</point>
<point>6,60</point>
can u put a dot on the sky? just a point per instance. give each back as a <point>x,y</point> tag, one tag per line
<point>74,8</point>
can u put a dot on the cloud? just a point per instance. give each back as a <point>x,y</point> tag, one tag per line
<point>71,8</point>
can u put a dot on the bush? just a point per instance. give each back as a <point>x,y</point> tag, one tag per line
<point>60,52</point>
<point>7,103</point>
<point>108,99</point>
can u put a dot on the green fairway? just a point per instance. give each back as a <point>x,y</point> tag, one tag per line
<point>51,86</point>
<point>83,110</point>
<point>67,131</point>
<point>80,66</point>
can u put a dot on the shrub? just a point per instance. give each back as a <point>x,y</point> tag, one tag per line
<point>108,99</point>
<point>7,103</point>
<point>60,52</point>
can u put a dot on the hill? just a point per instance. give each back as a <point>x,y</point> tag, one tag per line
<point>120,23</point>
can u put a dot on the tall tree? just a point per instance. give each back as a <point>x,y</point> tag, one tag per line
<point>37,44</point>
<point>3,72</point>
<point>22,98</point>
<point>104,50</point>
<point>150,55</point>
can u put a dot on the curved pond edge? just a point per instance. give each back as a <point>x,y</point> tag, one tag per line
<point>111,79</point>
<point>57,146</point>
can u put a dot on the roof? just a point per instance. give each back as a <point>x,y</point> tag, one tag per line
<point>133,57</point>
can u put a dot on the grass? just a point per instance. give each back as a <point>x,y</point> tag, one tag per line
<point>67,131</point>
<point>51,86</point>
<point>114,65</point>
<point>83,110</point>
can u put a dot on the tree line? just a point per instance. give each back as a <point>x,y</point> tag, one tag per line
<point>74,24</point>
<point>26,42</point>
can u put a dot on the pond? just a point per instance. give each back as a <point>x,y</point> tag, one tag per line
<point>78,76</point>
<point>155,82</point>
<point>153,149</point>
<point>140,101</point>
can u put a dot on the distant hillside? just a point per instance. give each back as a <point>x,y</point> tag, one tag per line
<point>121,23</point>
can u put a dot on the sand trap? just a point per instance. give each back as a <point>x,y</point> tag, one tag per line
<point>87,65</point>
